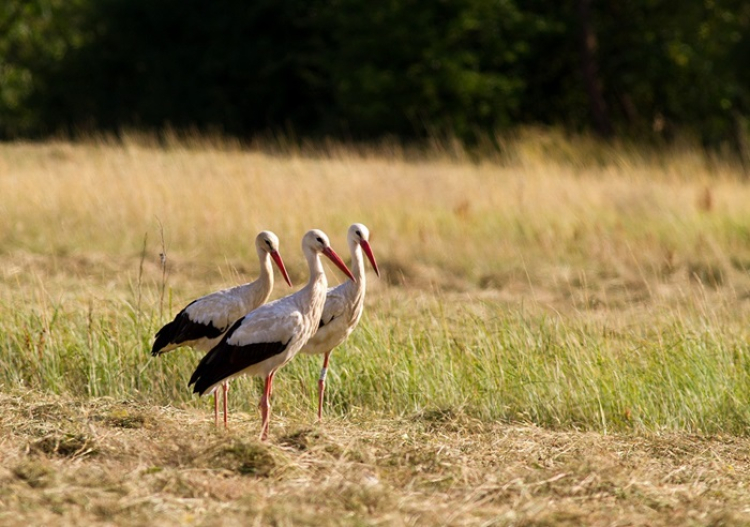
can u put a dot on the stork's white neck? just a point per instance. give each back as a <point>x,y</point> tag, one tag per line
<point>312,297</point>
<point>316,270</point>
<point>266,270</point>
<point>358,263</point>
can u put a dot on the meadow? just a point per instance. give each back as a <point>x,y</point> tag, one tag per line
<point>558,336</point>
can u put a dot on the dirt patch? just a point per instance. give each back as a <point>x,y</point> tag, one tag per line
<point>63,445</point>
<point>301,440</point>
<point>706,273</point>
<point>125,418</point>
<point>420,276</point>
<point>36,473</point>
<point>246,458</point>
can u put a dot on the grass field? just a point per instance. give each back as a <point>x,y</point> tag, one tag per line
<point>559,335</point>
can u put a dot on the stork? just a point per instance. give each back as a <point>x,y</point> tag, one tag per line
<point>264,340</point>
<point>202,323</point>
<point>343,307</point>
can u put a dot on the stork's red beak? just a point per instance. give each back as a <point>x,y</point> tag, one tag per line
<point>330,253</point>
<point>280,263</point>
<point>368,251</point>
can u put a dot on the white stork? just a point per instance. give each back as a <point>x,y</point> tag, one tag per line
<point>265,339</point>
<point>202,323</point>
<point>343,307</point>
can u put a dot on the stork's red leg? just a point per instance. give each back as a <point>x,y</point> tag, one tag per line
<point>216,408</point>
<point>225,387</point>
<point>322,384</point>
<point>265,407</point>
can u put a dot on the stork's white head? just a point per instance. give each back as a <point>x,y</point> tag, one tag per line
<point>316,242</point>
<point>268,242</point>
<point>360,235</point>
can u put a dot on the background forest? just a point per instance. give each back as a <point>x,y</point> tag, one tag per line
<point>356,69</point>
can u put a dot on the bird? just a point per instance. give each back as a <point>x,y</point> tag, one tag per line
<point>267,338</point>
<point>202,323</point>
<point>343,307</point>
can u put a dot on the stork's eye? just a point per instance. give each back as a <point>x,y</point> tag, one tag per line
<point>320,240</point>
<point>359,234</point>
<point>268,242</point>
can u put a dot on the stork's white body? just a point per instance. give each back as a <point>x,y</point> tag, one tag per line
<point>343,307</point>
<point>202,323</point>
<point>342,310</point>
<point>291,320</point>
<point>267,338</point>
<point>222,308</point>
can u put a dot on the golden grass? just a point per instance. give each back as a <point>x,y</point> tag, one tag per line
<point>538,225</point>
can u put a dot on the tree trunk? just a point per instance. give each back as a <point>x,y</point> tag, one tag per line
<point>743,145</point>
<point>590,71</point>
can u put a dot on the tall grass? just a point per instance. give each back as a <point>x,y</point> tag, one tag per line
<point>564,283</point>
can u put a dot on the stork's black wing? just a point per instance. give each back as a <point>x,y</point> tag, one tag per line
<point>183,329</point>
<point>224,360</point>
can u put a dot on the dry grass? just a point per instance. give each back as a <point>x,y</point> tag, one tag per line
<point>128,464</point>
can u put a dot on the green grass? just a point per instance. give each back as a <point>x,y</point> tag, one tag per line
<point>685,372</point>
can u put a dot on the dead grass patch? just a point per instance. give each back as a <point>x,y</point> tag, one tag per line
<point>436,467</point>
<point>63,445</point>
<point>244,457</point>
<point>126,418</point>
<point>302,439</point>
<point>36,473</point>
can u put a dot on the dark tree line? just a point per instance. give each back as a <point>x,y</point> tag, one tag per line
<point>358,69</point>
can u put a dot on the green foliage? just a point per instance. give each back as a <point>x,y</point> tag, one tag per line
<point>146,64</point>
<point>35,36</point>
<point>678,60</point>
<point>412,67</point>
<point>356,69</point>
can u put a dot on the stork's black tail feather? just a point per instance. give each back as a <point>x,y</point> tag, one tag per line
<point>184,330</point>
<point>202,369</point>
<point>164,337</point>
